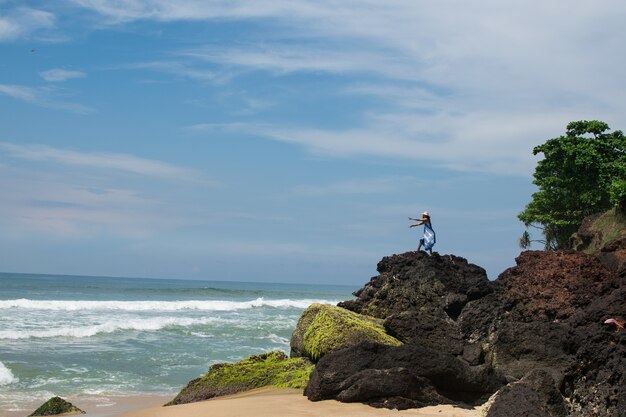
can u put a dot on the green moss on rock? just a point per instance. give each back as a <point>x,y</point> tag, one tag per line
<point>323,328</point>
<point>270,369</point>
<point>56,406</point>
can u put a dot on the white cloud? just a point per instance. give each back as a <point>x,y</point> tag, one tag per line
<point>467,86</point>
<point>104,160</point>
<point>59,204</point>
<point>371,186</point>
<point>43,97</point>
<point>22,22</point>
<point>59,74</point>
<point>177,68</point>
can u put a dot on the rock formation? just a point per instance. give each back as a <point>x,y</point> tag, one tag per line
<point>539,327</point>
<point>323,328</point>
<point>55,406</point>
<point>270,369</point>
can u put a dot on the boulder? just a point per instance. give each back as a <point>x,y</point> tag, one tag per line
<point>432,377</point>
<point>534,395</point>
<point>56,406</point>
<point>270,369</point>
<point>420,297</point>
<point>323,328</point>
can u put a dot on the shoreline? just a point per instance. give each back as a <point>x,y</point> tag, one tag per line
<point>260,402</point>
<point>272,402</point>
<point>101,405</point>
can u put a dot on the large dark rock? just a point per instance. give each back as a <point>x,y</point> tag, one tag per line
<point>595,382</point>
<point>432,376</point>
<point>526,323</point>
<point>535,395</point>
<point>421,296</point>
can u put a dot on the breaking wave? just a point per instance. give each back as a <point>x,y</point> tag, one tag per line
<point>6,376</point>
<point>200,305</point>
<point>150,324</point>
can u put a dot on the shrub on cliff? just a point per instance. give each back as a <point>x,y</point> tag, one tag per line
<point>323,328</point>
<point>270,369</point>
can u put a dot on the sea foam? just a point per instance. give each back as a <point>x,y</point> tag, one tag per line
<point>201,305</point>
<point>6,376</point>
<point>149,324</point>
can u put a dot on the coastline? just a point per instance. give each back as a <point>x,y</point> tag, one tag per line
<point>272,402</point>
<point>261,402</point>
<point>101,406</point>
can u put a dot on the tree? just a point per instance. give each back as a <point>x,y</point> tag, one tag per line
<point>582,172</point>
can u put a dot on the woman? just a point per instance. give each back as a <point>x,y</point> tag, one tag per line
<point>429,240</point>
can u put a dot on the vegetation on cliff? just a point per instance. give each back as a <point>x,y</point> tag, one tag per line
<point>269,369</point>
<point>55,406</point>
<point>599,230</point>
<point>582,173</point>
<point>323,328</point>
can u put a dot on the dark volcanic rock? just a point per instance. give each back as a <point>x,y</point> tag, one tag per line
<point>421,296</point>
<point>526,322</point>
<point>535,395</point>
<point>538,327</point>
<point>549,286</point>
<point>390,388</point>
<point>596,380</point>
<point>453,380</point>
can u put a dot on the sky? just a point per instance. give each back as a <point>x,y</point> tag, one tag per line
<point>285,140</point>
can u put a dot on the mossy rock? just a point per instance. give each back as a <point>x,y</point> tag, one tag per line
<point>270,369</point>
<point>56,406</point>
<point>323,328</point>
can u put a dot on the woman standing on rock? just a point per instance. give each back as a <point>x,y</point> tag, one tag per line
<point>429,240</point>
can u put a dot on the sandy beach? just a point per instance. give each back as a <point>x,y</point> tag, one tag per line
<point>271,402</point>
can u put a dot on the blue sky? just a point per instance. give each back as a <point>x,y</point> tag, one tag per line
<point>285,141</point>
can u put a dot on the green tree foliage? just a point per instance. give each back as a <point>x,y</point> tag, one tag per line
<point>582,172</point>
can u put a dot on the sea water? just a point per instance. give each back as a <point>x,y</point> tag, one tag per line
<point>89,336</point>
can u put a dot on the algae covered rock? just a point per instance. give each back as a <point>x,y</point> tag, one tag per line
<point>324,328</point>
<point>270,369</point>
<point>56,406</point>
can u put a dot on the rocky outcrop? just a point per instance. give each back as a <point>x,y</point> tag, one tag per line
<point>323,328</point>
<point>413,375</point>
<point>420,297</point>
<point>534,395</point>
<point>270,369</point>
<point>56,406</point>
<point>526,323</point>
<point>536,333</point>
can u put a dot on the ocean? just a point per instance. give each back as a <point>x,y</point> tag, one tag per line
<point>77,336</point>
